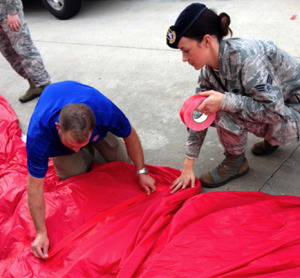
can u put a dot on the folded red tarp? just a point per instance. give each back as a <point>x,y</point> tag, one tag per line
<point>102,224</point>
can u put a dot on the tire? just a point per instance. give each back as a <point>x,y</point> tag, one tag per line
<point>62,9</point>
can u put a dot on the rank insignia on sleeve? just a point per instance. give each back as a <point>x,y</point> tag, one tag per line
<point>265,87</point>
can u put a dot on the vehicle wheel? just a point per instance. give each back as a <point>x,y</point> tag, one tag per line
<point>63,9</point>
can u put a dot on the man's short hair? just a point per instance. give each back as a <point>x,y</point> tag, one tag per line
<point>79,119</point>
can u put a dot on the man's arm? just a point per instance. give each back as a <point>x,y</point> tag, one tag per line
<point>36,204</point>
<point>135,151</point>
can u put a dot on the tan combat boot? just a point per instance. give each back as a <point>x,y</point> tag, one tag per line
<point>32,92</point>
<point>232,167</point>
<point>263,148</point>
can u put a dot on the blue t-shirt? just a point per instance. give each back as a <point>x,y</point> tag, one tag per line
<point>42,136</point>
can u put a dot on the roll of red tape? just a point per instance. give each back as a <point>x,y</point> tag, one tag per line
<point>195,121</point>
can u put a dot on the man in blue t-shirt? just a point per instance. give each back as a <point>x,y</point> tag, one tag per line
<point>70,122</point>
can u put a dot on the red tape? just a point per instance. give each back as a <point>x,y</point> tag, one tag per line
<point>195,121</point>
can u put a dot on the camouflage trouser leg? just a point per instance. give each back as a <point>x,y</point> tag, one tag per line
<point>232,132</point>
<point>21,53</point>
<point>9,53</point>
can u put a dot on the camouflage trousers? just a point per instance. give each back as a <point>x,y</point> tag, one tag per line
<point>20,51</point>
<point>232,131</point>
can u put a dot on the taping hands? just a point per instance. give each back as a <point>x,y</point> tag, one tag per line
<point>13,22</point>
<point>148,183</point>
<point>40,246</point>
<point>187,177</point>
<point>212,103</point>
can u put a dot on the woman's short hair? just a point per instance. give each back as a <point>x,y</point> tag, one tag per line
<point>79,119</point>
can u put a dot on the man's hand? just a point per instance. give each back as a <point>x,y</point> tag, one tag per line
<point>147,182</point>
<point>13,22</point>
<point>211,104</point>
<point>36,205</point>
<point>135,151</point>
<point>40,246</point>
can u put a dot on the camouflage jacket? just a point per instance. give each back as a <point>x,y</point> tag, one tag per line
<point>10,7</point>
<point>261,82</point>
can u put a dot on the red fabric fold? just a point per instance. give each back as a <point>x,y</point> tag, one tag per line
<point>102,224</point>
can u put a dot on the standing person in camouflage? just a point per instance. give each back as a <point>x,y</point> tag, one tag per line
<point>252,85</point>
<point>18,49</point>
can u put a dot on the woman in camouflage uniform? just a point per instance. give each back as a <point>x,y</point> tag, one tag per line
<point>18,49</point>
<point>253,85</point>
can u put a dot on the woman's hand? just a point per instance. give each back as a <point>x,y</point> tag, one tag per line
<point>212,103</point>
<point>187,177</point>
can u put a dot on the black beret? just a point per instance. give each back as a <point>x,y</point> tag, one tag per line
<point>184,21</point>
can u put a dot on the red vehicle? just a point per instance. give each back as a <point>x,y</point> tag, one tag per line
<point>63,9</point>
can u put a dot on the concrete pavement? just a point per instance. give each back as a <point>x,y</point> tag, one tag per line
<point>119,48</point>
